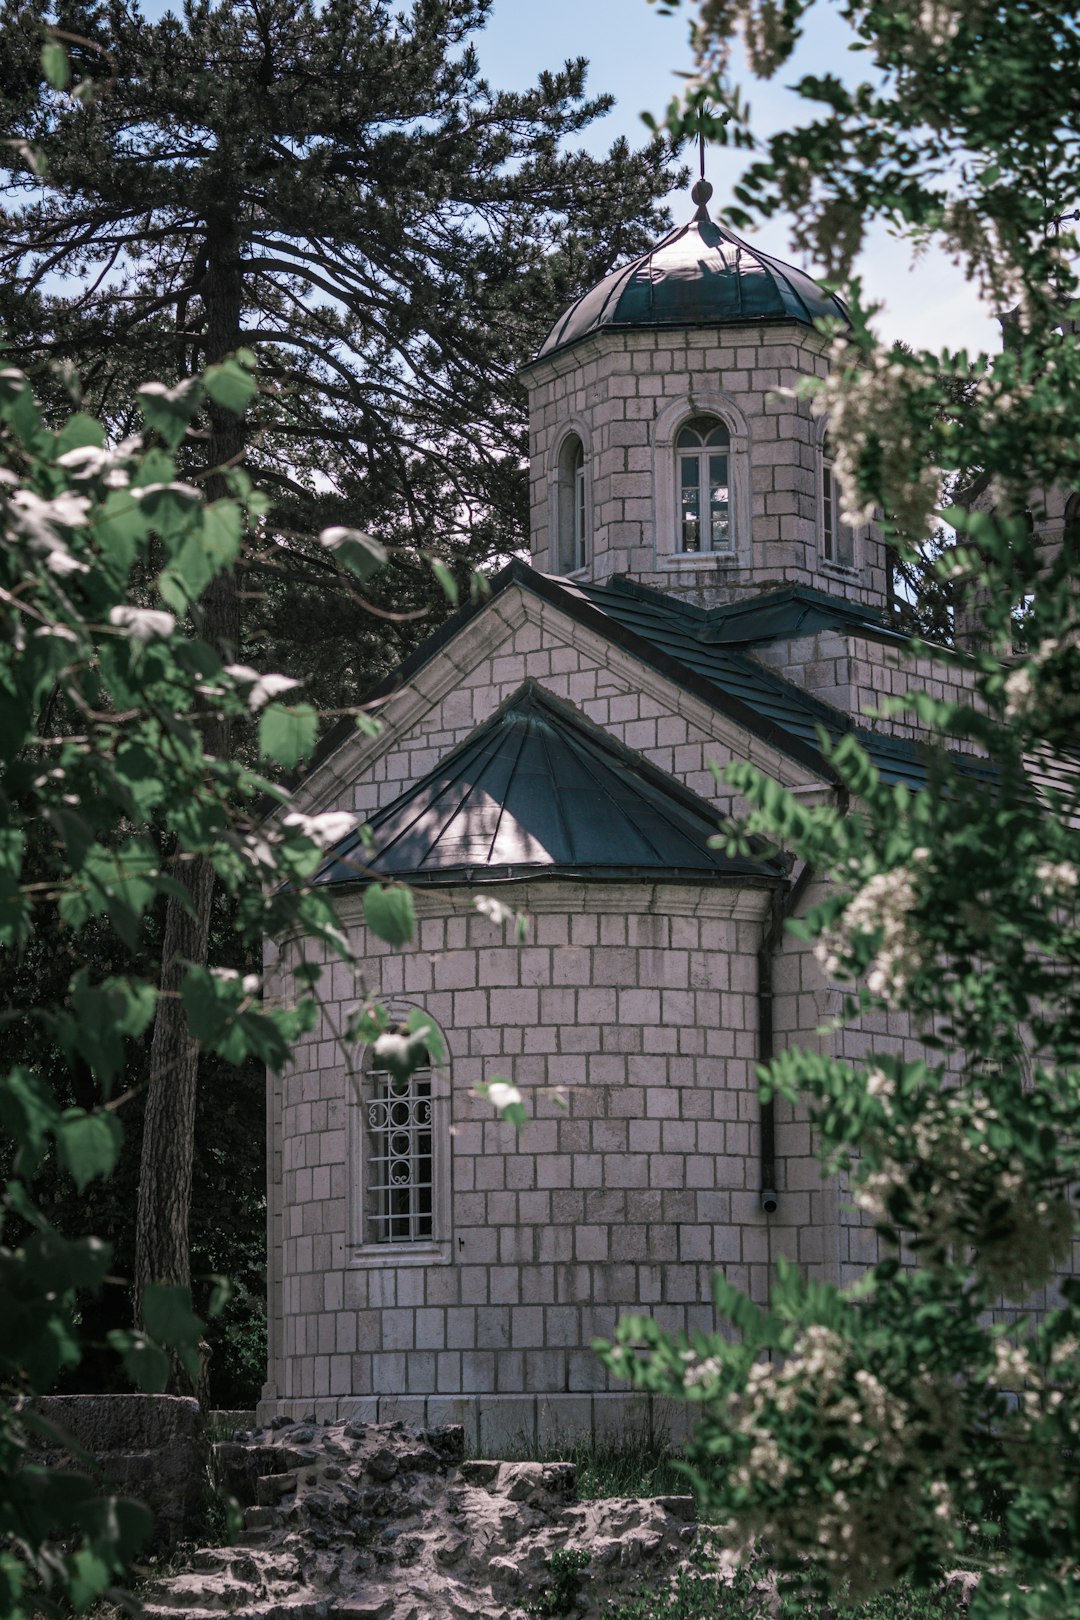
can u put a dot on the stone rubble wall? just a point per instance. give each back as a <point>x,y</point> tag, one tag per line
<point>150,1447</point>
<point>359,1522</point>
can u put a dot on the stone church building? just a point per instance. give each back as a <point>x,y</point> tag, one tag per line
<point>693,598</point>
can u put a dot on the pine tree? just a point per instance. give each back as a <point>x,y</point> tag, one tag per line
<point>338,190</point>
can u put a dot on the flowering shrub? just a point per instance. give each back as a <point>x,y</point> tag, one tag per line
<point>873,1430</point>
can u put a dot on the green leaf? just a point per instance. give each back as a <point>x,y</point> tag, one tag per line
<point>169,410</point>
<point>55,64</point>
<point>168,1315</point>
<point>117,1523</point>
<point>390,912</point>
<point>287,733</point>
<point>222,532</point>
<point>146,1365</point>
<point>88,1144</point>
<point>230,385</point>
<point>90,1575</point>
<point>447,582</point>
<point>28,1112</point>
<point>355,550</point>
<point>79,432</point>
<point>170,1320</point>
<point>120,528</point>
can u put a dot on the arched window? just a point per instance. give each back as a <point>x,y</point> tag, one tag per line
<point>400,1165</point>
<point>837,537</point>
<point>702,453</point>
<point>399,1180</point>
<point>572,506</point>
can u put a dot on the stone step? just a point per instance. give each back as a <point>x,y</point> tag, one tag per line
<point>247,1565</point>
<point>271,1488</point>
<point>304,1605</point>
<point>215,1591</point>
<point>262,1518</point>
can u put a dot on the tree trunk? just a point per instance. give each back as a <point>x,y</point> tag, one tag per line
<point>161,1233</point>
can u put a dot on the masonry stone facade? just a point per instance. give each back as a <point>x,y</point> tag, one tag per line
<point>425,1261</point>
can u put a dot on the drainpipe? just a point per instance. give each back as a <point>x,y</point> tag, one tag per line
<point>781,908</point>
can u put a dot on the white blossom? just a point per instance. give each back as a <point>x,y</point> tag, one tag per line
<point>881,907</point>
<point>495,910</point>
<point>1057,877</point>
<point>502,1095</point>
<point>330,827</point>
<point>142,624</point>
<point>262,687</point>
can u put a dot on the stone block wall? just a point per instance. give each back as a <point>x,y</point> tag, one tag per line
<point>640,1002</point>
<point>625,394</point>
<point>856,673</point>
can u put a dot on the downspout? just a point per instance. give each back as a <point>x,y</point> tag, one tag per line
<point>783,905</point>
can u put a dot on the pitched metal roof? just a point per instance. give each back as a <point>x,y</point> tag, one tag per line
<point>753,621</point>
<point>700,274</point>
<point>538,791</point>
<point>707,652</point>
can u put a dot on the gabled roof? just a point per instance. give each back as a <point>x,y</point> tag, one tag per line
<point>680,641</point>
<point>538,791</point>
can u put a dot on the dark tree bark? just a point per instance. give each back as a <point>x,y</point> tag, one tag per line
<point>162,1252</point>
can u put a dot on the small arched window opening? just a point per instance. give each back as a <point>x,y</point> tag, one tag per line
<point>572,506</point>
<point>703,455</point>
<point>837,537</point>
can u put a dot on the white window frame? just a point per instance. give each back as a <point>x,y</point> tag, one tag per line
<point>667,506</point>
<point>570,503</point>
<point>365,1249</point>
<point>699,458</point>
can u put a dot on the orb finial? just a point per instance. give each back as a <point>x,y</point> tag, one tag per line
<point>702,190</point>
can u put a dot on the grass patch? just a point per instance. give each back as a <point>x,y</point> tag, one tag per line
<point>697,1593</point>
<point>638,1464</point>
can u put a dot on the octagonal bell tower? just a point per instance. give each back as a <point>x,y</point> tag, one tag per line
<point>666,439</point>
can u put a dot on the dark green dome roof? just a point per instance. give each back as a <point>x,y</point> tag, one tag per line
<point>700,274</point>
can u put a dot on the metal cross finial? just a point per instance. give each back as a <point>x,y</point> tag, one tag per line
<point>702,190</point>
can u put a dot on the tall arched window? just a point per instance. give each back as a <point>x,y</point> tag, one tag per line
<point>399,1165</point>
<point>837,537</point>
<point>399,1181</point>
<point>572,506</point>
<point>703,452</point>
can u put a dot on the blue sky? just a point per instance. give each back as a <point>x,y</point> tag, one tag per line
<point>635,54</point>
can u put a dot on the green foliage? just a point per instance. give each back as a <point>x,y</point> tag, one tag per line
<point>873,1431</point>
<point>106,787</point>
<point>390,912</point>
<point>560,1596</point>
<point>708,1589</point>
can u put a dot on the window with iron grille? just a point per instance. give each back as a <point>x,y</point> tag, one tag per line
<point>399,1184</point>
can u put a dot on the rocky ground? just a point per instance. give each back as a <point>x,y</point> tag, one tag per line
<point>361,1521</point>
